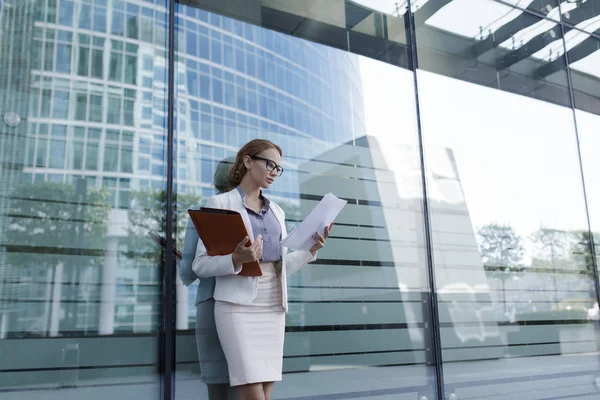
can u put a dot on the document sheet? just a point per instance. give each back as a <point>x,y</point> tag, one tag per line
<point>321,216</point>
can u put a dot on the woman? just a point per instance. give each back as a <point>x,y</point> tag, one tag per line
<point>213,365</point>
<point>250,311</point>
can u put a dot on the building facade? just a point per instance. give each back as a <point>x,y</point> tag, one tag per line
<point>461,132</point>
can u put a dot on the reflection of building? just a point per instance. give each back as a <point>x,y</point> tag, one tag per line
<point>463,287</point>
<point>91,92</point>
<point>16,19</point>
<point>376,261</point>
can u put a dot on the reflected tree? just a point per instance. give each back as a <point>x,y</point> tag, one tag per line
<point>551,247</point>
<point>56,229</point>
<point>501,251</point>
<point>551,252</point>
<point>581,250</point>
<point>149,213</point>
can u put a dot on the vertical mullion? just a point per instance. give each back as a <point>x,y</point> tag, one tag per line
<point>167,344</point>
<point>433,312</point>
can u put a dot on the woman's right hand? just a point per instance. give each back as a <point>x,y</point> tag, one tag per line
<point>243,254</point>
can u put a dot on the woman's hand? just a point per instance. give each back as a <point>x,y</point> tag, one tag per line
<point>243,254</point>
<point>320,239</point>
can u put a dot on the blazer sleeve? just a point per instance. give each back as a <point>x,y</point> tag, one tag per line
<point>296,260</point>
<point>205,266</point>
<point>190,243</point>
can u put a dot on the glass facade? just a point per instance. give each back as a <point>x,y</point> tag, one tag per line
<point>462,133</point>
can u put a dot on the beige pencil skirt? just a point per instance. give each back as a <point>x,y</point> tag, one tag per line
<point>252,335</point>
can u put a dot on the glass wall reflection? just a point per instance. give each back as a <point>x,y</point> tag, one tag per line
<point>82,95</point>
<point>512,249</point>
<point>359,313</point>
<point>586,90</point>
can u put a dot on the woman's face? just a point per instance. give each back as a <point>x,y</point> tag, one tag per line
<point>258,168</point>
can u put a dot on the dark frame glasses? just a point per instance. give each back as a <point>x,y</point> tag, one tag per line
<point>271,165</point>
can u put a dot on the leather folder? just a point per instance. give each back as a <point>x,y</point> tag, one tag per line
<point>221,231</point>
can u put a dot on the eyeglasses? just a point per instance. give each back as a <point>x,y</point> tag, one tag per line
<point>270,165</point>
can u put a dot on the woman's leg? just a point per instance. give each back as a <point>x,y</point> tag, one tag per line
<point>267,389</point>
<point>252,391</point>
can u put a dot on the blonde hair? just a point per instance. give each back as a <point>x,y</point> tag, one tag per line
<point>253,147</point>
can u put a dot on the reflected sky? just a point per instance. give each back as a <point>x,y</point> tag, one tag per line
<point>516,156</point>
<point>589,64</point>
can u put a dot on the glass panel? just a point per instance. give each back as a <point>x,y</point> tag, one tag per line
<point>79,276</point>
<point>583,58</point>
<point>358,316</point>
<point>508,218</point>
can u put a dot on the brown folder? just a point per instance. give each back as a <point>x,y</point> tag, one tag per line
<point>221,231</point>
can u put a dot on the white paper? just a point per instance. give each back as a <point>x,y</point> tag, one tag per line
<point>321,216</point>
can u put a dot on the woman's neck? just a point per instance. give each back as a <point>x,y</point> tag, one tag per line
<point>251,190</point>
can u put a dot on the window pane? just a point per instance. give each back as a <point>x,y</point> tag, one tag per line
<point>132,27</point>
<point>126,159</point>
<point>117,23</point>
<point>100,19</point>
<point>113,113</point>
<point>65,13</point>
<point>77,155</point>
<point>111,157</point>
<point>97,64</point>
<point>61,105</point>
<point>49,56</point>
<point>128,113</point>
<point>116,67</point>
<point>57,154</point>
<point>63,58</point>
<point>91,157</point>
<point>85,17</point>
<point>83,64</point>
<point>131,70</point>
<point>96,109</point>
<point>41,153</point>
<point>81,107</point>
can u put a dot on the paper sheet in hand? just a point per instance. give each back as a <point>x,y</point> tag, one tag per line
<point>321,216</point>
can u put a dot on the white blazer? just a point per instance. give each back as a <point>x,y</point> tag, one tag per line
<point>230,286</point>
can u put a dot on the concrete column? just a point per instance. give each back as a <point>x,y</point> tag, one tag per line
<point>55,308</point>
<point>4,325</point>
<point>106,323</point>
<point>48,302</point>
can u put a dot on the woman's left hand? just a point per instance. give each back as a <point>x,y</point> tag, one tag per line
<point>320,239</point>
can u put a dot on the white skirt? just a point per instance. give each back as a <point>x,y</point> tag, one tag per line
<point>252,335</point>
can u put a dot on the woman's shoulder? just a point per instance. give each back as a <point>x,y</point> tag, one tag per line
<point>221,198</point>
